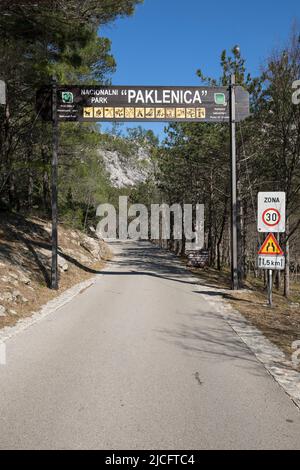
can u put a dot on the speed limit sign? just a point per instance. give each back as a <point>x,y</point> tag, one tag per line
<point>271,212</point>
<point>271,217</point>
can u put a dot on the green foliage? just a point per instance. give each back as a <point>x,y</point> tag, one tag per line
<point>194,165</point>
<point>39,40</point>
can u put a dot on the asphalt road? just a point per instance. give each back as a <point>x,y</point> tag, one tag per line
<point>140,361</point>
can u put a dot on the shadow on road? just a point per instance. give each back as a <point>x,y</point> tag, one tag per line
<point>209,342</point>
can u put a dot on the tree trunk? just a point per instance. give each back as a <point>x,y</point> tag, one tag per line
<point>45,183</point>
<point>220,239</point>
<point>287,263</point>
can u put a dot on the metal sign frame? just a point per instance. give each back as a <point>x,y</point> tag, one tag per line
<point>149,104</point>
<point>213,104</point>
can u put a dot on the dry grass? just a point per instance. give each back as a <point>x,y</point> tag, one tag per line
<point>280,324</point>
<point>25,251</point>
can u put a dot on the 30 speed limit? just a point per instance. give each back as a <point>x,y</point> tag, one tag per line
<point>271,217</point>
<point>271,212</point>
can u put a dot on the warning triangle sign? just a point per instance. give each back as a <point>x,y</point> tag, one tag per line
<point>270,247</point>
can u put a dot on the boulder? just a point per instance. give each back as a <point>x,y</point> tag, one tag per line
<point>92,246</point>
<point>2,311</point>
<point>17,296</point>
<point>14,275</point>
<point>7,297</point>
<point>13,313</point>
<point>25,280</point>
<point>93,233</point>
<point>62,264</point>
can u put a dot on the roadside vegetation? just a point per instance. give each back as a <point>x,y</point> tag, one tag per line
<point>25,263</point>
<point>194,164</point>
<point>280,324</point>
<point>63,39</point>
<point>38,41</point>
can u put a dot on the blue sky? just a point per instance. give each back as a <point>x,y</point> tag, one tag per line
<point>166,41</point>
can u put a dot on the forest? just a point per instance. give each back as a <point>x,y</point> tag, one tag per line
<point>40,40</point>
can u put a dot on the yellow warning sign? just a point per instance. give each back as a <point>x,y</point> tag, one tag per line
<point>109,112</point>
<point>160,113</point>
<point>98,112</point>
<point>180,113</point>
<point>143,113</point>
<point>119,113</point>
<point>129,113</point>
<point>190,113</point>
<point>88,112</point>
<point>150,113</point>
<point>200,113</point>
<point>140,113</point>
<point>270,247</point>
<point>170,113</point>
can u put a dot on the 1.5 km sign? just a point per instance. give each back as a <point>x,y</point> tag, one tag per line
<point>271,212</point>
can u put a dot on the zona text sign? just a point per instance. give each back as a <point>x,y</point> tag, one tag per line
<point>271,212</point>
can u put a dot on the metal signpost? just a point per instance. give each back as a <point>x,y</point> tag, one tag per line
<point>234,236</point>
<point>143,104</point>
<point>54,178</point>
<point>271,220</point>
